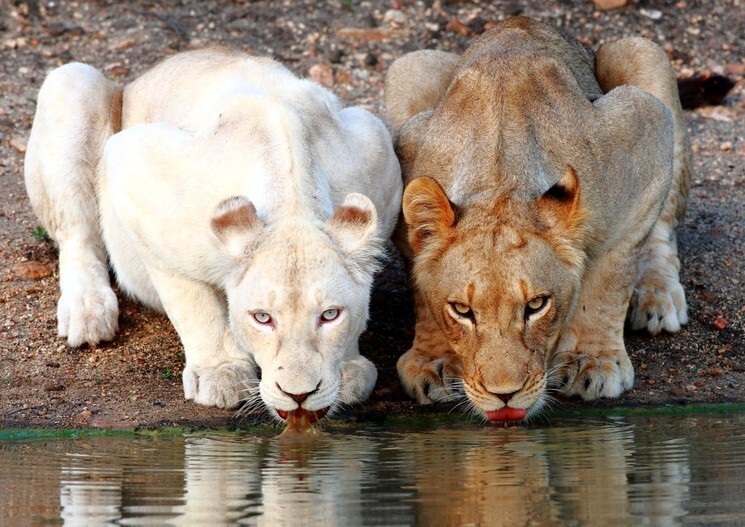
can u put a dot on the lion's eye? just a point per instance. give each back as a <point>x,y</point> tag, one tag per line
<point>262,318</point>
<point>330,314</point>
<point>535,305</point>
<point>462,310</point>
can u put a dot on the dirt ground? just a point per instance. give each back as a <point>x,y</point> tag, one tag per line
<point>135,381</point>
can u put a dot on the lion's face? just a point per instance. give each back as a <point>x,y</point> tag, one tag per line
<point>499,286</point>
<point>298,302</point>
<point>299,310</point>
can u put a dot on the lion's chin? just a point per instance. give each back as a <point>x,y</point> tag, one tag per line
<point>301,414</point>
<point>507,413</point>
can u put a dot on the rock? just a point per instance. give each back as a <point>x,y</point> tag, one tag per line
<point>606,5</point>
<point>718,113</point>
<point>31,270</point>
<point>117,69</point>
<point>19,143</point>
<point>122,44</point>
<point>654,14</point>
<point>394,17</point>
<point>720,323</point>
<point>321,74</point>
<point>736,69</point>
<point>708,296</point>
<point>456,26</point>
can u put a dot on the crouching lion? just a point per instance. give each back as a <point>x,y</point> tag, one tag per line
<point>543,187</point>
<point>242,201</point>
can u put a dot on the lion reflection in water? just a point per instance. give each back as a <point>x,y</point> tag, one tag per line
<point>442,477</point>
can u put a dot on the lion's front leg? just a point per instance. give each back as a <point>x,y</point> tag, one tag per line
<point>78,110</point>
<point>590,359</point>
<point>358,376</point>
<point>430,370</point>
<point>217,373</point>
<point>658,301</point>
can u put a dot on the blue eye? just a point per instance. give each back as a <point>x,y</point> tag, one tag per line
<point>330,315</point>
<point>263,318</point>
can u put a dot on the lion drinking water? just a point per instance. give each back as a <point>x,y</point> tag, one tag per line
<point>543,187</point>
<point>240,200</point>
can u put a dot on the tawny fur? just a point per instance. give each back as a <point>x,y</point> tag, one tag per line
<point>539,173</point>
<point>219,186</point>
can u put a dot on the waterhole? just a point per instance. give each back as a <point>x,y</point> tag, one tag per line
<point>609,471</point>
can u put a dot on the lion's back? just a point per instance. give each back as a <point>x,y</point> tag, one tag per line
<point>186,90</point>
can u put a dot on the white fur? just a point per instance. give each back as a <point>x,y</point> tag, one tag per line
<point>199,129</point>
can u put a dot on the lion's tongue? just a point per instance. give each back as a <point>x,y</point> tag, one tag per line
<point>507,414</point>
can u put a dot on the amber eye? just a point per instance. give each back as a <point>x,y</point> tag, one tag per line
<point>461,310</point>
<point>262,318</point>
<point>535,305</point>
<point>330,315</point>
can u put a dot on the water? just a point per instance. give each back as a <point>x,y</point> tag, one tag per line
<point>663,470</point>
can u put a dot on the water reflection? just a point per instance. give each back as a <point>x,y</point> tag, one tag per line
<point>642,471</point>
<point>541,476</point>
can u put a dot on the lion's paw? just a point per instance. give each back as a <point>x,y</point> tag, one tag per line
<point>358,378</point>
<point>87,314</point>
<point>429,379</point>
<point>224,386</point>
<point>658,303</point>
<point>602,374</point>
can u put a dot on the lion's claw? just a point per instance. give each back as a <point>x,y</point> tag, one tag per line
<point>658,305</point>
<point>224,386</point>
<point>602,374</point>
<point>429,379</point>
<point>87,313</point>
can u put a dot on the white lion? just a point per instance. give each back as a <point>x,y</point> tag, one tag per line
<point>239,199</point>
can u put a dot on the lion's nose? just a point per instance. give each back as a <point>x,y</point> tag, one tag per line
<point>299,397</point>
<point>505,397</point>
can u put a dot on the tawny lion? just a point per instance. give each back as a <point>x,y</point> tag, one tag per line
<point>544,185</point>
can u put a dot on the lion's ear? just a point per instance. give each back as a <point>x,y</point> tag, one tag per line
<point>560,205</point>
<point>354,226</point>
<point>354,223</point>
<point>236,225</point>
<point>427,211</point>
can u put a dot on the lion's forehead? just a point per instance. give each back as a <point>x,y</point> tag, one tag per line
<point>493,267</point>
<point>486,251</point>
<point>298,278</point>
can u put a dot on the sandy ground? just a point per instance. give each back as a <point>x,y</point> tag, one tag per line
<point>134,381</point>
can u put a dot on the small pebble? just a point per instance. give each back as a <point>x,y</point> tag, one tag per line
<point>321,74</point>
<point>394,17</point>
<point>605,5</point>
<point>653,14</point>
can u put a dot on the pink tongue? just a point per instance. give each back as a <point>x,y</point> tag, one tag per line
<point>507,414</point>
